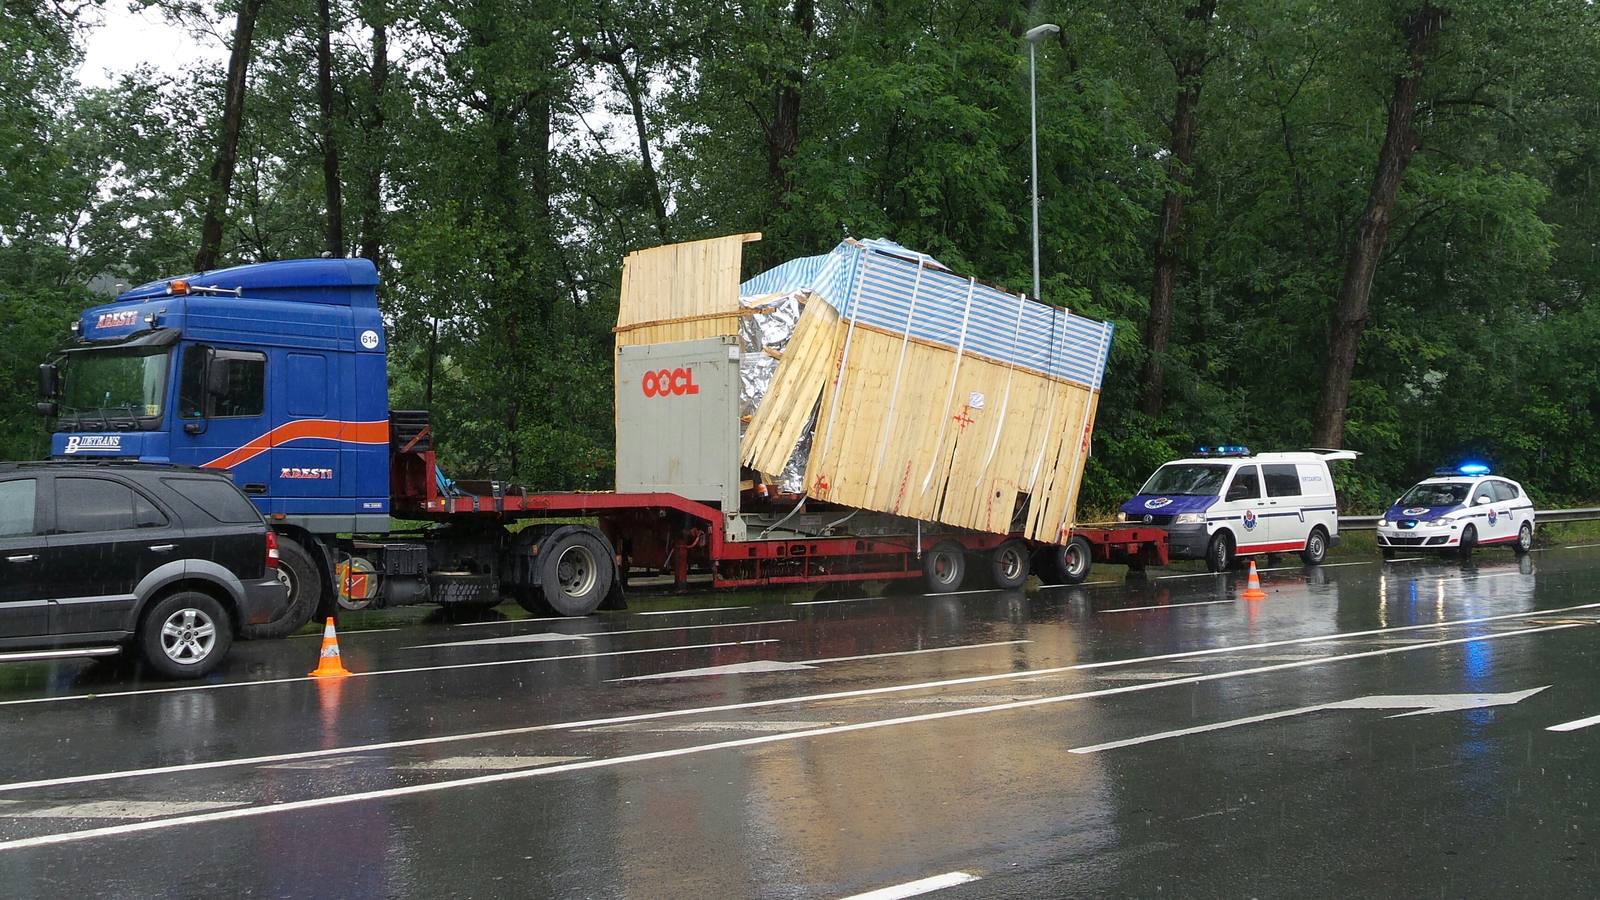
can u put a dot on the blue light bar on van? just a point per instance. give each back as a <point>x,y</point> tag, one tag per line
<point>1223,450</point>
<point>1467,468</point>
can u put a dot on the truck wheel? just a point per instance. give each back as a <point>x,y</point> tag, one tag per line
<point>1008,565</point>
<point>1524,542</point>
<point>185,635</point>
<point>575,572</point>
<point>944,567</point>
<point>1219,553</point>
<point>1316,548</point>
<point>300,575</point>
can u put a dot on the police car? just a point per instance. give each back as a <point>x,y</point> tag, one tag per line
<point>1225,503</point>
<point>1460,508</point>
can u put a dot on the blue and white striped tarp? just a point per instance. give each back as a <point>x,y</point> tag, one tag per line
<point>876,283</point>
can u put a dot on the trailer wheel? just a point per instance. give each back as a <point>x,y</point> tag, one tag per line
<point>1008,565</point>
<point>575,572</point>
<point>1076,557</point>
<point>944,567</point>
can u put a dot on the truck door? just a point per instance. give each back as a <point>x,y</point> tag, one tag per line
<point>222,409</point>
<point>24,601</point>
<point>305,459</point>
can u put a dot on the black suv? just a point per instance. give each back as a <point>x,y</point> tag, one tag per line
<point>97,556</point>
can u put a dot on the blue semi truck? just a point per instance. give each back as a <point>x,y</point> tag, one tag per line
<point>276,373</point>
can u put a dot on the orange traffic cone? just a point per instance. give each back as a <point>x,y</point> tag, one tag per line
<point>329,665</point>
<point>1252,589</point>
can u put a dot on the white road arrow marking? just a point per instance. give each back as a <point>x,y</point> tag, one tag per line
<point>1419,704</point>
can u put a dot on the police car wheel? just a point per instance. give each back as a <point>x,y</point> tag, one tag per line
<point>1316,548</point>
<point>1219,553</point>
<point>1389,554</point>
<point>1524,543</point>
<point>1469,540</point>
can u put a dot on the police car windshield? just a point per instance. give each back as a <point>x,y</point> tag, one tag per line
<point>1445,494</point>
<point>1187,479</point>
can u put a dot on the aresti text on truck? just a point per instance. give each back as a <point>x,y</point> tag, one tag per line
<point>276,372</point>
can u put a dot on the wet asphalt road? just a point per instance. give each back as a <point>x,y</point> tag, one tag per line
<point>1063,742</point>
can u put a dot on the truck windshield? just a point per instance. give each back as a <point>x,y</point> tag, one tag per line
<point>1196,480</point>
<point>1436,495</point>
<point>111,389</point>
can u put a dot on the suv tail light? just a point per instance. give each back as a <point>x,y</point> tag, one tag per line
<point>272,549</point>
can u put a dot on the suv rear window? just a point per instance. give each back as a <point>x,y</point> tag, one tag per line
<point>220,500</point>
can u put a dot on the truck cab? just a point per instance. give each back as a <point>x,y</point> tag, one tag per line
<point>274,372</point>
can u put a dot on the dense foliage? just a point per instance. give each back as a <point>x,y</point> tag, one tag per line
<point>498,158</point>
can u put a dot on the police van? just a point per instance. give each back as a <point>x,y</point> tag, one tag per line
<point>1225,503</point>
<point>1459,508</point>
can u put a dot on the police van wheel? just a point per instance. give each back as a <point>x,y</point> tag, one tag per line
<point>1524,542</point>
<point>1389,554</point>
<point>1219,553</point>
<point>1316,548</point>
<point>1469,540</point>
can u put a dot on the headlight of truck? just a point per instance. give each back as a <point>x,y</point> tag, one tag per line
<point>1189,519</point>
<point>1122,517</point>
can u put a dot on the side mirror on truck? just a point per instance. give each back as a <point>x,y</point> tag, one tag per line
<point>49,389</point>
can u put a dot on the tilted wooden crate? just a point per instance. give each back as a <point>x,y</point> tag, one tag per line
<point>935,396</point>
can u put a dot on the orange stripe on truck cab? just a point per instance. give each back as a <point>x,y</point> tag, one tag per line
<point>305,429</point>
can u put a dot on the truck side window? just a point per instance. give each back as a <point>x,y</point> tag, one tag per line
<point>1246,484</point>
<point>238,383</point>
<point>1282,481</point>
<point>192,382</point>
<point>17,503</point>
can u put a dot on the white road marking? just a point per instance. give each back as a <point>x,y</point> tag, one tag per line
<point>1359,562</point>
<point>1580,546</point>
<point>406,671</point>
<point>488,763</point>
<point>824,602</point>
<point>918,887</point>
<point>674,612</point>
<point>112,809</point>
<point>1575,724</point>
<point>520,621</point>
<point>1141,676</point>
<point>790,666</point>
<point>1419,704</point>
<point>317,634</point>
<point>1165,606</point>
<point>315,764</point>
<point>702,727</point>
<point>1191,575</point>
<point>1405,559</point>
<point>753,667</point>
<point>68,837</point>
<point>1022,676</point>
<point>582,635</point>
<point>960,593</point>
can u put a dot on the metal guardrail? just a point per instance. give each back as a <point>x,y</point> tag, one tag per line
<point>1542,516</point>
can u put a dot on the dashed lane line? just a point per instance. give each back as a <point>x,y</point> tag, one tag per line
<point>674,612</point>
<point>778,665</point>
<point>375,672</point>
<point>1166,606</point>
<point>917,888</point>
<point>540,636</point>
<point>68,837</point>
<point>1575,724</point>
<point>1025,675</point>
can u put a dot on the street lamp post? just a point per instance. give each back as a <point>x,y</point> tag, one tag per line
<point>1034,36</point>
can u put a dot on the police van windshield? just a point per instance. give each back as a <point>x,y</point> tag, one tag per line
<point>1187,479</point>
<point>1449,494</point>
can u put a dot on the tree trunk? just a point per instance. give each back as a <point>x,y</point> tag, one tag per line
<point>1188,65</point>
<point>332,190</point>
<point>783,133</point>
<point>228,149</point>
<point>372,201</point>
<point>1400,142</point>
<point>631,86</point>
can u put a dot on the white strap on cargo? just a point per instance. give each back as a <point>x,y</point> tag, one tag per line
<point>1005,399</point>
<point>1056,350</point>
<point>844,355</point>
<point>961,346</point>
<point>899,368</point>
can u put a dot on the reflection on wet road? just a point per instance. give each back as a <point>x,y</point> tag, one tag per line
<point>1417,727</point>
